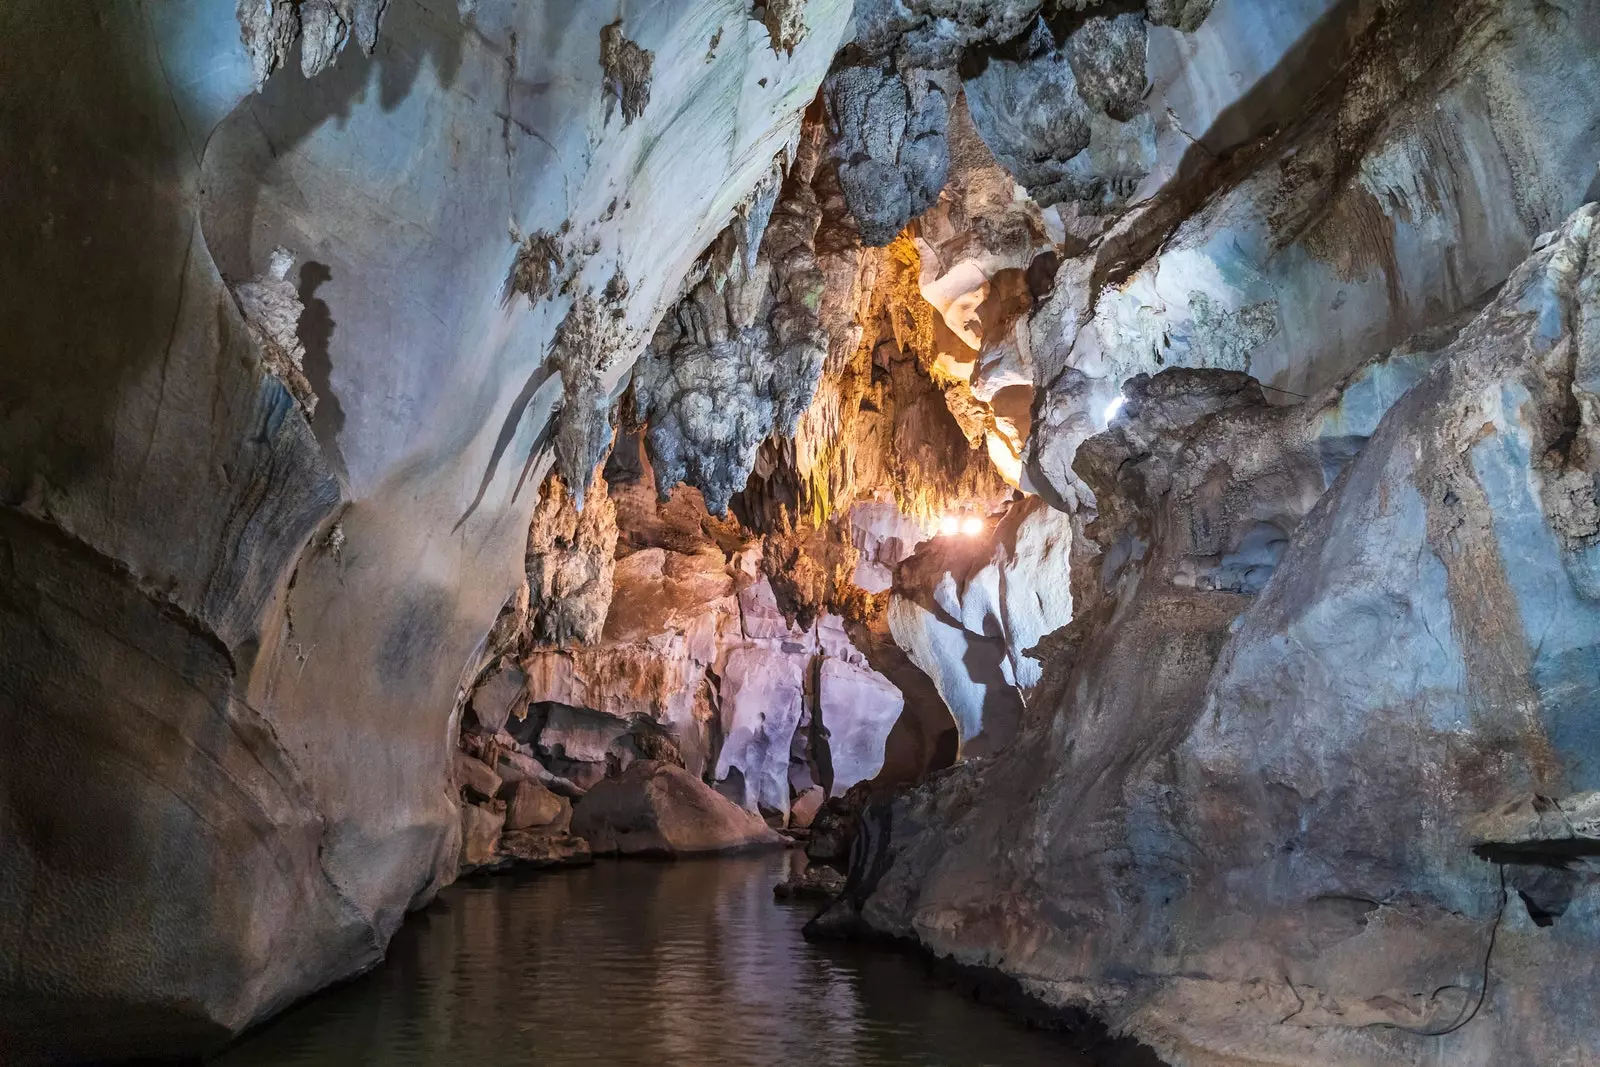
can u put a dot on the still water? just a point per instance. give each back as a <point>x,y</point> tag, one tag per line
<point>637,964</point>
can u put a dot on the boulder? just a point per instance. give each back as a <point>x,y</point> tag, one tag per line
<point>480,836</point>
<point>476,777</point>
<point>514,766</point>
<point>531,806</point>
<point>657,809</point>
<point>816,882</point>
<point>805,807</point>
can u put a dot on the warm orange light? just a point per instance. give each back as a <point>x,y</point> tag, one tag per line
<point>949,525</point>
<point>972,525</point>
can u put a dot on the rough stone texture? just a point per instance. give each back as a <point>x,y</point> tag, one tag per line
<point>1320,819</point>
<point>531,806</point>
<point>740,357</point>
<point>498,697</point>
<point>627,73</point>
<point>540,849</point>
<point>571,562</point>
<point>1368,172</point>
<point>889,142</point>
<point>480,836</point>
<point>935,33</point>
<point>656,809</point>
<point>1107,56</point>
<point>268,708</point>
<point>785,21</point>
<point>476,778</point>
<point>270,28</point>
<point>272,309</point>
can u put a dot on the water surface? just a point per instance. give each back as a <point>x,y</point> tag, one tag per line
<point>639,964</point>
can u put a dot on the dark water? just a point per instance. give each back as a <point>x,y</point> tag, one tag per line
<point>641,965</point>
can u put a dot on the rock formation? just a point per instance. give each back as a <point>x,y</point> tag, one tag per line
<point>270,721</point>
<point>656,809</point>
<point>1119,478</point>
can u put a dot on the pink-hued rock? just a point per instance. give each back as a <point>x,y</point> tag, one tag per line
<point>858,708</point>
<point>655,808</point>
<point>544,848</point>
<point>762,693</point>
<point>480,835</point>
<point>758,611</point>
<point>805,807</point>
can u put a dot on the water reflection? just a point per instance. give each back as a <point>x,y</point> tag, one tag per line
<point>643,964</point>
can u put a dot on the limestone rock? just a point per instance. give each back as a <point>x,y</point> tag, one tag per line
<point>658,809</point>
<point>270,719</point>
<point>1429,595</point>
<point>816,882</point>
<point>475,777</point>
<point>571,564</point>
<point>762,700</point>
<point>480,836</point>
<point>627,73</point>
<point>498,697</point>
<point>805,807</point>
<point>272,308</point>
<point>533,807</point>
<point>858,708</point>
<point>889,143</point>
<point>740,358</point>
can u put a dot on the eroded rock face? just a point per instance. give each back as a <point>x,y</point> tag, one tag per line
<point>571,564</point>
<point>1293,851</point>
<point>739,359</point>
<point>273,706</point>
<point>968,611</point>
<point>656,809</point>
<point>889,141</point>
<point>1351,201</point>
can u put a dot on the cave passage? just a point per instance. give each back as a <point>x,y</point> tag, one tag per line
<point>1104,494</point>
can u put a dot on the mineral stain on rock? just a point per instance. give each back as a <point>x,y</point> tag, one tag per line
<point>627,73</point>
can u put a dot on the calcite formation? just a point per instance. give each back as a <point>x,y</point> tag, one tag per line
<point>1121,478</point>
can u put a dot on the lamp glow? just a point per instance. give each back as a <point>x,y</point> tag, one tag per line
<point>972,525</point>
<point>949,525</point>
<point>1114,407</point>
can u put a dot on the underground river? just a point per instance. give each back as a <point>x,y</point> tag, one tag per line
<point>647,964</point>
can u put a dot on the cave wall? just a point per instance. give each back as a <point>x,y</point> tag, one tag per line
<point>1305,780</point>
<point>253,626</point>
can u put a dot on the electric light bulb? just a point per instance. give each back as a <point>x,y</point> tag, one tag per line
<point>972,525</point>
<point>949,525</point>
<point>1114,407</point>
